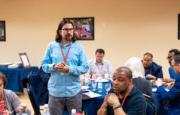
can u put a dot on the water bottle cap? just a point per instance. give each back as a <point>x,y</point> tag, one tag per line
<point>73,110</point>
<point>45,105</point>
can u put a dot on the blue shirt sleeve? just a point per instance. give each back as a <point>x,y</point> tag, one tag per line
<point>170,95</point>
<point>47,64</point>
<point>82,67</point>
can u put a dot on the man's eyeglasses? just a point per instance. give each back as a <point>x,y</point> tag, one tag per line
<point>68,29</point>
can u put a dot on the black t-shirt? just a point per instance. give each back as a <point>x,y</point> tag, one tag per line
<point>134,104</point>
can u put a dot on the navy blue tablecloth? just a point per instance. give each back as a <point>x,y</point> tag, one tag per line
<point>16,76</point>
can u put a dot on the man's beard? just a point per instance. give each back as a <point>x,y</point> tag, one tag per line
<point>68,37</point>
<point>121,91</point>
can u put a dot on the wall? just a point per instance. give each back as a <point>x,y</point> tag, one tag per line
<point>124,28</point>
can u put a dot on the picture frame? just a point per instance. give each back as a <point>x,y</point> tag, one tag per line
<point>24,59</point>
<point>2,30</point>
<point>83,27</point>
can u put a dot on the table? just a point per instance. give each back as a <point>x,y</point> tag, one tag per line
<point>16,76</point>
<point>38,82</point>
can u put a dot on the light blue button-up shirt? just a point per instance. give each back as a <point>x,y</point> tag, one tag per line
<point>65,85</point>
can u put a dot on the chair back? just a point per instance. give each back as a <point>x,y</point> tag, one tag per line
<point>151,108</point>
<point>38,80</point>
<point>33,100</point>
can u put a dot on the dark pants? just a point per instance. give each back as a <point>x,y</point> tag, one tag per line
<point>57,104</point>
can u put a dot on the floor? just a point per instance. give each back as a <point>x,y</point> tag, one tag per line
<point>25,99</point>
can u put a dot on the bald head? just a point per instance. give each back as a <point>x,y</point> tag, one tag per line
<point>122,80</point>
<point>126,70</point>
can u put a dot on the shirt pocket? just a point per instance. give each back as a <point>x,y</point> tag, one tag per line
<point>73,57</point>
<point>56,57</point>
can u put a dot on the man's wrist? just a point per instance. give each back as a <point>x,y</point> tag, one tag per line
<point>116,106</point>
<point>54,66</point>
<point>104,105</point>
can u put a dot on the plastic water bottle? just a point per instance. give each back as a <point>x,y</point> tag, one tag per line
<point>46,108</point>
<point>73,112</point>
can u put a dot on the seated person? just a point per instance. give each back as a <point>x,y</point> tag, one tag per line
<point>138,77</point>
<point>9,101</point>
<point>99,67</point>
<point>152,70</point>
<point>124,98</point>
<point>171,54</point>
<point>170,100</point>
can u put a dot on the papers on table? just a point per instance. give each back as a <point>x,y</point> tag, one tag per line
<point>167,89</point>
<point>102,80</point>
<point>84,88</point>
<point>92,94</point>
<point>154,89</point>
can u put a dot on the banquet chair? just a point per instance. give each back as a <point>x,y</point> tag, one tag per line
<point>33,101</point>
<point>151,108</point>
<point>38,81</point>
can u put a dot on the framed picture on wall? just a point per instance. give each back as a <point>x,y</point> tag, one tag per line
<point>84,27</point>
<point>2,30</point>
<point>24,59</point>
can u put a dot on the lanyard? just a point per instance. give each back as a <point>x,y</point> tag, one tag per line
<point>65,56</point>
<point>124,100</point>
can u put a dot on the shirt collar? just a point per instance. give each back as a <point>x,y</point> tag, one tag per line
<point>101,63</point>
<point>65,45</point>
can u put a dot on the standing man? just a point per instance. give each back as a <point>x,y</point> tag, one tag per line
<point>152,70</point>
<point>99,67</point>
<point>124,99</point>
<point>65,60</point>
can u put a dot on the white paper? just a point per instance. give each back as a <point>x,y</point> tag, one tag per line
<point>154,89</point>
<point>25,60</point>
<point>100,85</point>
<point>92,94</point>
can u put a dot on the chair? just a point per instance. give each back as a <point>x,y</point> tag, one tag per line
<point>33,100</point>
<point>38,80</point>
<point>151,108</point>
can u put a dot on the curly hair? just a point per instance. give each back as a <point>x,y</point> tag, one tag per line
<point>3,77</point>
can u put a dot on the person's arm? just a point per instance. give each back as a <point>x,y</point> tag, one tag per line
<point>82,67</point>
<point>170,95</point>
<point>150,77</point>
<point>103,109</point>
<point>119,111</point>
<point>15,102</point>
<point>47,64</point>
<point>113,101</point>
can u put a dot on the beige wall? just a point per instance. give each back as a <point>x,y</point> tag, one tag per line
<point>124,28</point>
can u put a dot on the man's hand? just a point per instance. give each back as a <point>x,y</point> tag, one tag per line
<point>62,67</point>
<point>152,77</point>
<point>112,99</point>
<point>65,69</point>
<point>21,108</point>
<point>59,66</point>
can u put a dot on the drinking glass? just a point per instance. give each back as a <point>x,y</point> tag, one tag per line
<point>108,87</point>
<point>94,84</point>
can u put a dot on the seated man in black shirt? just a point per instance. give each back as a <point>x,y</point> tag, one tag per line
<point>123,98</point>
<point>152,70</point>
